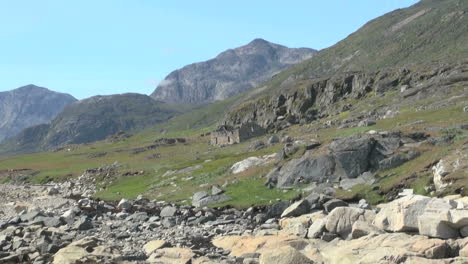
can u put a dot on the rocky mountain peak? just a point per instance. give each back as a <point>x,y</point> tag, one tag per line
<point>232,72</point>
<point>28,106</point>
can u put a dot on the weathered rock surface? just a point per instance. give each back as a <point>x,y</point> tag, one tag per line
<point>340,221</point>
<point>344,160</point>
<point>284,255</point>
<point>402,215</point>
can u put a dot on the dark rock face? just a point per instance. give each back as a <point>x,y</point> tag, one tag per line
<point>306,169</point>
<point>91,120</point>
<point>29,106</point>
<point>344,158</point>
<point>230,73</point>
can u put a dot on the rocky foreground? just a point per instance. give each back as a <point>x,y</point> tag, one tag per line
<point>61,224</point>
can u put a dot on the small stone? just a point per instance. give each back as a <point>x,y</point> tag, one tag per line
<point>124,204</point>
<point>216,190</point>
<point>273,140</point>
<point>168,211</point>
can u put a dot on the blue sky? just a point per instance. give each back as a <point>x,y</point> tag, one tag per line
<point>91,47</point>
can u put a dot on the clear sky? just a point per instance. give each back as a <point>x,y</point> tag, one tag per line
<point>91,47</point>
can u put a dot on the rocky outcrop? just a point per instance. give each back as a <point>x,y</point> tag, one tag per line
<point>301,101</point>
<point>373,59</point>
<point>29,106</point>
<point>230,73</point>
<point>91,120</point>
<point>344,159</point>
<point>451,165</point>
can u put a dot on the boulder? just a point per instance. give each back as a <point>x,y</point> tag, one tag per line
<point>317,228</point>
<point>298,226</point>
<point>367,178</point>
<point>308,168</point>
<point>332,204</point>
<point>153,245</point>
<point>250,162</point>
<point>362,228</point>
<point>401,215</point>
<point>459,218</point>
<point>303,219</point>
<point>244,165</point>
<point>171,256</point>
<point>284,255</point>
<point>352,155</point>
<point>384,248</point>
<point>83,223</point>
<point>432,248</point>
<point>124,204</point>
<point>366,123</point>
<point>464,251</point>
<point>209,200</point>
<point>257,145</point>
<point>276,209</point>
<point>340,221</point>
<point>273,140</point>
<point>296,229</point>
<point>464,231</point>
<point>240,245</point>
<point>435,220</point>
<point>199,195</point>
<point>168,211</point>
<point>216,190</point>
<point>296,209</point>
<point>87,250</point>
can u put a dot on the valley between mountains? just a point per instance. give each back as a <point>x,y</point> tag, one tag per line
<point>357,153</point>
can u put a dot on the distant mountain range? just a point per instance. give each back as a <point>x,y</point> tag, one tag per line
<point>29,106</point>
<point>232,72</point>
<point>91,120</point>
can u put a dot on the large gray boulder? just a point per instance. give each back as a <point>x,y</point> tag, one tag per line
<point>352,155</point>
<point>201,199</point>
<point>307,169</point>
<point>345,159</point>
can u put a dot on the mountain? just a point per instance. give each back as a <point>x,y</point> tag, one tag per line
<point>431,30</point>
<point>403,47</point>
<point>230,73</point>
<point>91,120</point>
<point>29,106</point>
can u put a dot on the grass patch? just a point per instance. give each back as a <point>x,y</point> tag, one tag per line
<point>251,191</point>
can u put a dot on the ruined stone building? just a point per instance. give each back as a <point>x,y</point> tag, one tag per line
<point>227,135</point>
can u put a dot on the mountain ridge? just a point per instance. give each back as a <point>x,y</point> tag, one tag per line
<point>27,106</point>
<point>90,120</point>
<point>231,72</point>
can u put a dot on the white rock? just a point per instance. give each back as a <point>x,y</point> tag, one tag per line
<point>436,218</point>
<point>244,165</point>
<point>401,215</point>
